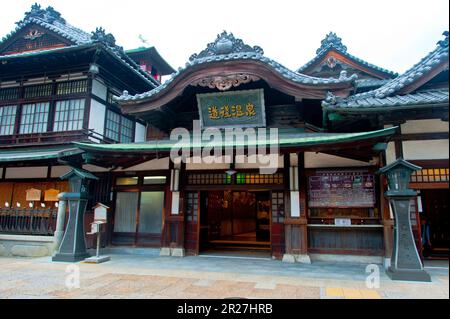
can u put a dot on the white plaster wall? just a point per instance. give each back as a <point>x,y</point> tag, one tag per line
<point>94,168</point>
<point>201,166</point>
<point>58,171</point>
<point>99,89</point>
<point>156,164</point>
<point>319,160</point>
<point>257,165</point>
<point>97,118</point>
<point>424,126</point>
<point>390,153</point>
<point>26,172</point>
<point>428,149</point>
<point>139,135</point>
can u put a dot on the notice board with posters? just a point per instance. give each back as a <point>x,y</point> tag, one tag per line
<point>341,189</point>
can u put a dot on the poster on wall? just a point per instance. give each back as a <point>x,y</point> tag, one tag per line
<point>341,189</point>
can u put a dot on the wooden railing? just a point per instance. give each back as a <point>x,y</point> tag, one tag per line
<point>20,221</point>
<point>67,136</point>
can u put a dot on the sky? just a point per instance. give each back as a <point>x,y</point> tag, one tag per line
<point>393,34</point>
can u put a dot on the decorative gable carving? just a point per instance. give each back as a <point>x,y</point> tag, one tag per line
<point>32,38</point>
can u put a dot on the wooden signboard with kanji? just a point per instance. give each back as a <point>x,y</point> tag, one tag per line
<point>33,194</point>
<point>51,195</point>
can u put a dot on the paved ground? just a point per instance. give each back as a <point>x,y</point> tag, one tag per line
<point>135,276</point>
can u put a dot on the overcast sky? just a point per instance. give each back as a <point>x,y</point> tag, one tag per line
<point>394,34</point>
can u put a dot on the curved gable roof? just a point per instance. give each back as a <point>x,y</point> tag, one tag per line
<point>230,55</point>
<point>400,92</point>
<point>332,42</point>
<point>51,20</point>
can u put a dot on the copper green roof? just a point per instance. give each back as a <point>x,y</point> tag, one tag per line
<point>36,153</point>
<point>287,138</point>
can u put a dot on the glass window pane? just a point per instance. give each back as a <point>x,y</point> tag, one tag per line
<point>126,211</point>
<point>127,181</point>
<point>150,220</point>
<point>154,180</point>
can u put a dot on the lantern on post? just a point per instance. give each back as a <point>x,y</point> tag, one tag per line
<point>405,261</point>
<point>73,245</point>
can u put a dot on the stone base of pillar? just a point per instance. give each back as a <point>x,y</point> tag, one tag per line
<point>408,275</point>
<point>293,258</point>
<point>57,239</point>
<point>178,252</point>
<point>165,251</point>
<point>174,252</point>
<point>70,257</point>
<point>387,262</point>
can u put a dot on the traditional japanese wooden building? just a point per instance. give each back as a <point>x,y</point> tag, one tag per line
<point>338,120</point>
<point>57,84</point>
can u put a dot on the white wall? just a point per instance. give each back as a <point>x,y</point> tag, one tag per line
<point>424,126</point>
<point>94,168</point>
<point>26,172</point>
<point>156,164</point>
<point>320,160</point>
<point>390,153</point>
<point>97,118</point>
<point>58,171</point>
<point>139,135</point>
<point>99,89</point>
<point>428,149</point>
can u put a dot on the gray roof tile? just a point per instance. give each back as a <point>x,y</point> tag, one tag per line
<point>227,47</point>
<point>333,42</point>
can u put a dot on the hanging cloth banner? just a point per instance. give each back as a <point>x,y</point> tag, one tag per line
<point>232,109</point>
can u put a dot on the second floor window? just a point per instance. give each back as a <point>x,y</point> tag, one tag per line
<point>7,119</point>
<point>34,118</point>
<point>69,115</point>
<point>118,128</point>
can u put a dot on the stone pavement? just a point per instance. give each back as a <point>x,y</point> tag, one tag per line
<point>138,276</point>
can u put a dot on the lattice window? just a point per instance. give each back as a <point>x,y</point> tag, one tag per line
<point>430,175</point>
<point>119,128</point>
<point>7,119</point>
<point>38,90</point>
<point>72,87</point>
<point>7,94</point>
<point>254,178</point>
<point>112,125</point>
<point>191,206</point>
<point>126,130</point>
<point>277,207</point>
<point>69,115</point>
<point>34,118</point>
<point>209,179</point>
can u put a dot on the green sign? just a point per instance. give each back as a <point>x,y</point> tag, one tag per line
<point>232,109</point>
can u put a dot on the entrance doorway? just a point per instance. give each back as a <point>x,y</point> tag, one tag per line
<point>235,222</point>
<point>435,217</point>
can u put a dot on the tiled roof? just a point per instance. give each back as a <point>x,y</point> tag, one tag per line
<point>406,101</point>
<point>333,42</point>
<point>52,20</point>
<point>227,48</point>
<point>389,91</point>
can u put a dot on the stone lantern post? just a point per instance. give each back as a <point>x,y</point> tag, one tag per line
<point>405,261</point>
<point>73,245</point>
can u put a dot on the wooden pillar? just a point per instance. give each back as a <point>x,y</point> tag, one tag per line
<point>295,221</point>
<point>172,239</point>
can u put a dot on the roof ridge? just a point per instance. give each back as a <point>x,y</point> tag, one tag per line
<point>424,65</point>
<point>228,48</point>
